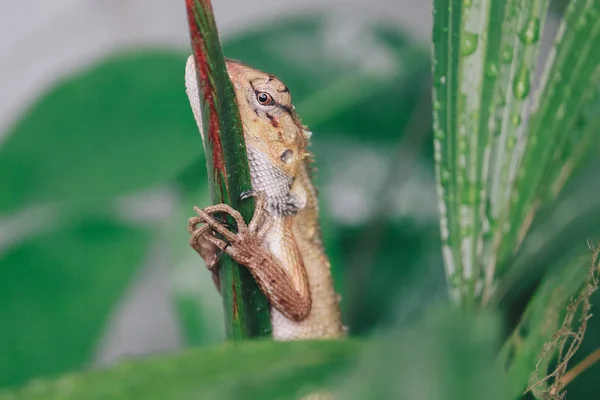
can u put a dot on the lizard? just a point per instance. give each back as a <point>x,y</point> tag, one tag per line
<point>282,245</point>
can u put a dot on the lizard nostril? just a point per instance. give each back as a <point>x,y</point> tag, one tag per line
<point>286,156</point>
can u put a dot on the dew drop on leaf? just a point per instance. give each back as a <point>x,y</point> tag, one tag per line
<point>491,70</point>
<point>521,84</point>
<point>469,43</point>
<point>531,31</point>
<point>507,55</point>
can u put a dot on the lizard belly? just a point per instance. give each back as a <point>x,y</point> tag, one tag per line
<point>324,320</point>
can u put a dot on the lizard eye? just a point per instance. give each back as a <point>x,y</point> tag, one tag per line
<point>264,98</point>
<point>286,156</point>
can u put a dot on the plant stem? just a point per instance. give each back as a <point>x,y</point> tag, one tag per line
<point>584,364</point>
<point>246,308</point>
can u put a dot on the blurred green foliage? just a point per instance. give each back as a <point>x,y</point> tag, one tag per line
<point>58,288</point>
<point>124,127</point>
<point>430,357</point>
<point>257,369</point>
<point>121,126</point>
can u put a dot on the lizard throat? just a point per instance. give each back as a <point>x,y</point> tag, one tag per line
<point>274,183</point>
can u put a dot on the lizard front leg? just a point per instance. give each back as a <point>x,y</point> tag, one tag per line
<point>289,296</point>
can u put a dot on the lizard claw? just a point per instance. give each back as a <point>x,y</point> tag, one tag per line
<point>213,236</point>
<point>248,193</point>
<point>204,238</point>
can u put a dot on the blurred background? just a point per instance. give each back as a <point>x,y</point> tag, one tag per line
<point>101,163</point>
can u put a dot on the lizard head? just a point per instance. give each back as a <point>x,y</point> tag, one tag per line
<point>271,125</point>
<point>276,140</point>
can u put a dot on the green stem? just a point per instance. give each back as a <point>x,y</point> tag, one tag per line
<point>246,308</point>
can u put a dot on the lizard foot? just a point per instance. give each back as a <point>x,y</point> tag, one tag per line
<point>212,236</point>
<point>240,245</point>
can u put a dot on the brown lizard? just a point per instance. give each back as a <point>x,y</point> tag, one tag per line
<point>282,245</point>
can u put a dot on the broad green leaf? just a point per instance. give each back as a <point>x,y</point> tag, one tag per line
<point>120,126</point>
<point>58,289</point>
<point>444,355</point>
<point>248,370</point>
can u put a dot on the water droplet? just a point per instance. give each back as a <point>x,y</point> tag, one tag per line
<point>507,55</point>
<point>516,120</point>
<point>469,43</point>
<point>491,70</point>
<point>467,3</point>
<point>521,84</point>
<point>438,134</point>
<point>443,80</point>
<point>531,31</point>
<point>437,105</point>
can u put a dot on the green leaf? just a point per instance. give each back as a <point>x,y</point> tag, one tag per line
<point>59,288</point>
<point>569,90</point>
<point>475,110</point>
<point>247,312</point>
<point>494,172</point>
<point>445,355</point>
<point>120,126</point>
<point>249,370</point>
